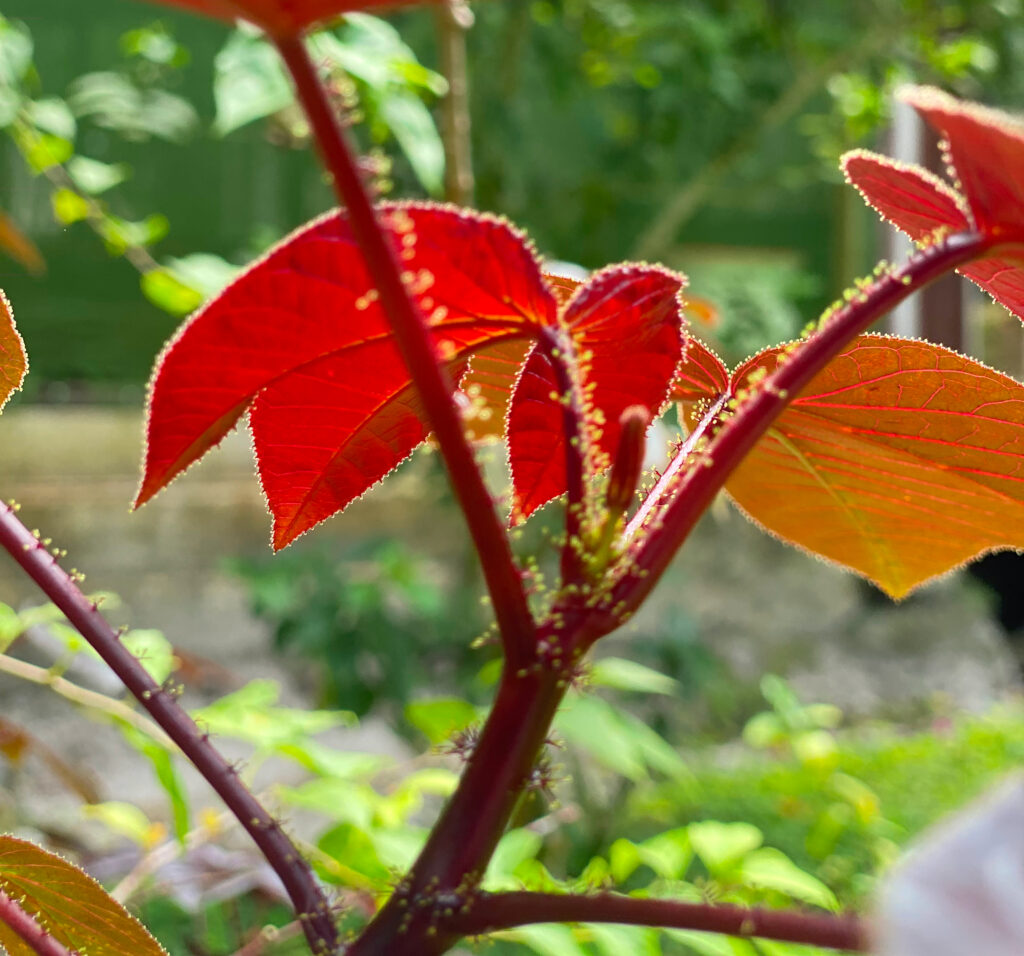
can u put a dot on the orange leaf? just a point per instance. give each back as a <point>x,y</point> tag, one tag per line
<point>901,460</point>
<point>282,18</point>
<point>13,360</point>
<point>71,906</point>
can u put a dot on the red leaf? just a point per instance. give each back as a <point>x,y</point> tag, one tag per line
<point>985,150</point>
<point>909,197</point>
<point>13,360</point>
<point>282,18</point>
<point>303,331</point>
<point>626,324</point>
<point>901,460</point>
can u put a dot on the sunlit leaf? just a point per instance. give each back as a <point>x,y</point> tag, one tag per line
<point>302,338</point>
<point>985,155</point>
<point>13,360</point>
<point>900,460</point>
<point>626,327</point>
<point>70,905</point>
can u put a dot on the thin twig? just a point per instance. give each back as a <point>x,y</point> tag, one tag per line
<point>504,580</point>
<point>496,911</point>
<point>311,906</point>
<point>85,697</point>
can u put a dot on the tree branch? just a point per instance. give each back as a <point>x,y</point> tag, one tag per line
<point>497,911</point>
<point>311,906</point>
<point>504,580</point>
<point>28,930</point>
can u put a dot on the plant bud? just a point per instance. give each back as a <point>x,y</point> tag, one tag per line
<point>629,458</point>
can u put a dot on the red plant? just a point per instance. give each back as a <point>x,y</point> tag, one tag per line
<point>345,345</point>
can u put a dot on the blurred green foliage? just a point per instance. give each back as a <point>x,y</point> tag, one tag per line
<point>374,625</point>
<point>611,129</point>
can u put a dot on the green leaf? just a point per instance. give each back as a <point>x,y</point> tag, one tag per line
<point>327,762</point>
<point>441,717</point>
<point>11,627</point>
<point>711,944</point>
<point>617,740</point>
<point>624,940</point>
<point>624,674</point>
<point>93,177</point>
<point>251,714</point>
<point>352,850</point>
<point>721,846</point>
<point>669,854</point>
<point>772,869</point>
<point>72,906</point>
<point>169,293</point>
<point>69,207</point>
<point>206,273</point>
<point>548,940</point>
<point>249,83</point>
<point>153,651</point>
<point>341,800</point>
<point>514,848</point>
<point>121,234</point>
<point>42,151</point>
<point>410,122</point>
<point>15,52</point>
<point>624,858</point>
<point>53,115</point>
<point>166,773</point>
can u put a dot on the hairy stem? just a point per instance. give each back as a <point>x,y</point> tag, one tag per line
<point>491,912</point>
<point>695,487</point>
<point>560,350</point>
<point>28,930</point>
<point>311,906</point>
<point>413,922</point>
<point>503,577</point>
<point>657,495</point>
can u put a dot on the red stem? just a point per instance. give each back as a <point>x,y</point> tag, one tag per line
<point>504,581</point>
<point>30,932</point>
<point>558,346</point>
<point>696,487</point>
<point>311,906</point>
<point>497,911</point>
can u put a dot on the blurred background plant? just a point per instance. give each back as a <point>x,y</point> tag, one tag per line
<point>704,135</point>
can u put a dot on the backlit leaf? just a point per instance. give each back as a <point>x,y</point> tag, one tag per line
<point>626,326</point>
<point>13,360</point>
<point>70,905</point>
<point>984,149</point>
<point>302,339</point>
<point>282,17</point>
<point>900,460</point>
